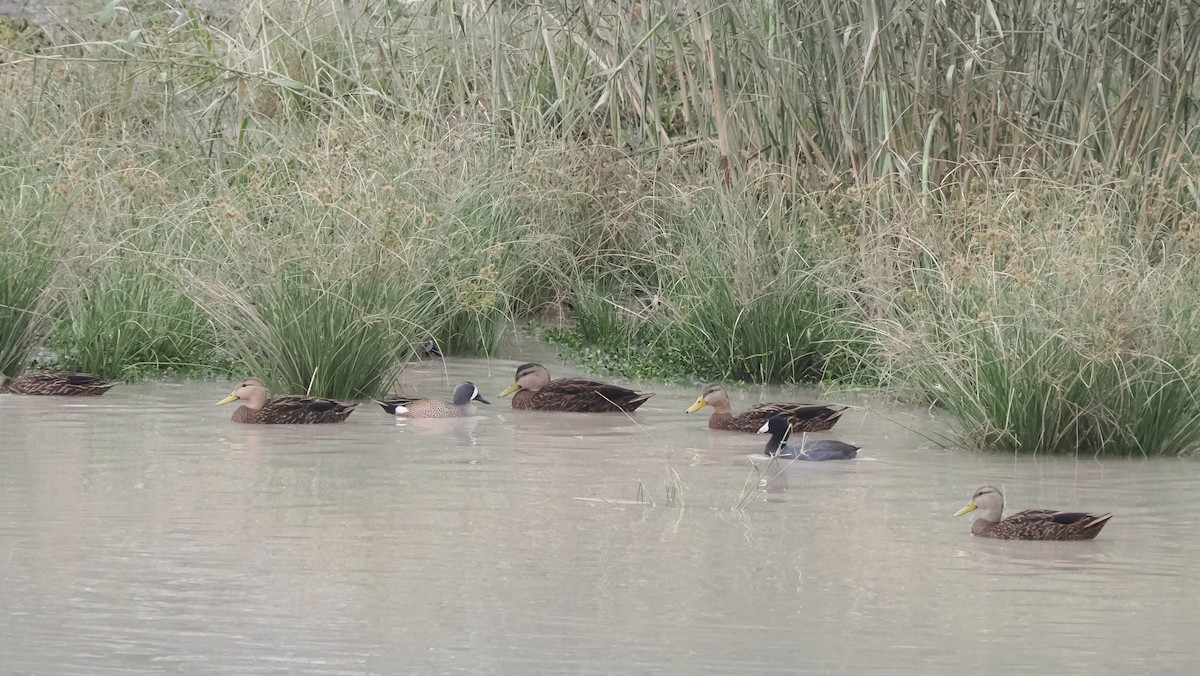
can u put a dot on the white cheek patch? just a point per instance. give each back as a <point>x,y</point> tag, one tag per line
<point>763,429</point>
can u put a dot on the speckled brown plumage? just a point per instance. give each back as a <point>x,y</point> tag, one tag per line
<point>260,408</point>
<point>533,390</point>
<point>55,383</point>
<point>801,417</point>
<point>460,407</point>
<point>1031,524</point>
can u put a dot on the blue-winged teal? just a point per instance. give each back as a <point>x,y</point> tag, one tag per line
<point>460,407</point>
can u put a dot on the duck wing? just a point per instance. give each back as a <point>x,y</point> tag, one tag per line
<point>587,395</point>
<point>75,378</point>
<point>801,417</point>
<point>301,409</point>
<point>1050,524</point>
<point>1055,516</point>
<point>823,449</point>
<point>391,404</point>
<point>60,383</point>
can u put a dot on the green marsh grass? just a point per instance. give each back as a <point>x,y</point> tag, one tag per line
<point>718,287</point>
<point>1035,388</point>
<point>788,333</point>
<point>24,302</point>
<point>1059,339</point>
<point>301,333</point>
<point>838,190</point>
<point>128,323</point>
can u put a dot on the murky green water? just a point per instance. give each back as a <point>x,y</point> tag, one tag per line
<point>144,532</point>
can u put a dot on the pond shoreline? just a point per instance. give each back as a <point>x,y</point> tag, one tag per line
<point>329,195</point>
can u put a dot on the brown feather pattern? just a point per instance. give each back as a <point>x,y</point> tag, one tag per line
<point>288,409</point>
<point>56,383</point>
<point>583,395</point>
<point>801,417</point>
<point>294,410</point>
<point>1031,524</point>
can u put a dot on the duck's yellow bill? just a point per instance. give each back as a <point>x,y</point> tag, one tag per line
<point>969,508</point>
<point>226,400</point>
<point>700,403</point>
<point>510,389</point>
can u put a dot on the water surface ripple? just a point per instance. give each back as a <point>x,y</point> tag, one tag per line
<point>144,532</point>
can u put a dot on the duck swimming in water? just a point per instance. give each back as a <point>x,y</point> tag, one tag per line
<point>461,406</point>
<point>533,390</point>
<point>801,417</point>
<point>1031,524</point>
<point>809,449</point>
<point>288,409</point>
<point>55,383</point>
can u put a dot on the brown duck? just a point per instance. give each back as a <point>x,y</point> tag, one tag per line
<point>801,417</point>
<point>261,408</point>
<point>535,391</point>
<point>460,407</point>
<point>1031,524</point>
<point>55,383</point>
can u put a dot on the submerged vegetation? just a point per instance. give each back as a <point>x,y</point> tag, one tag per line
<point>990,208</point>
